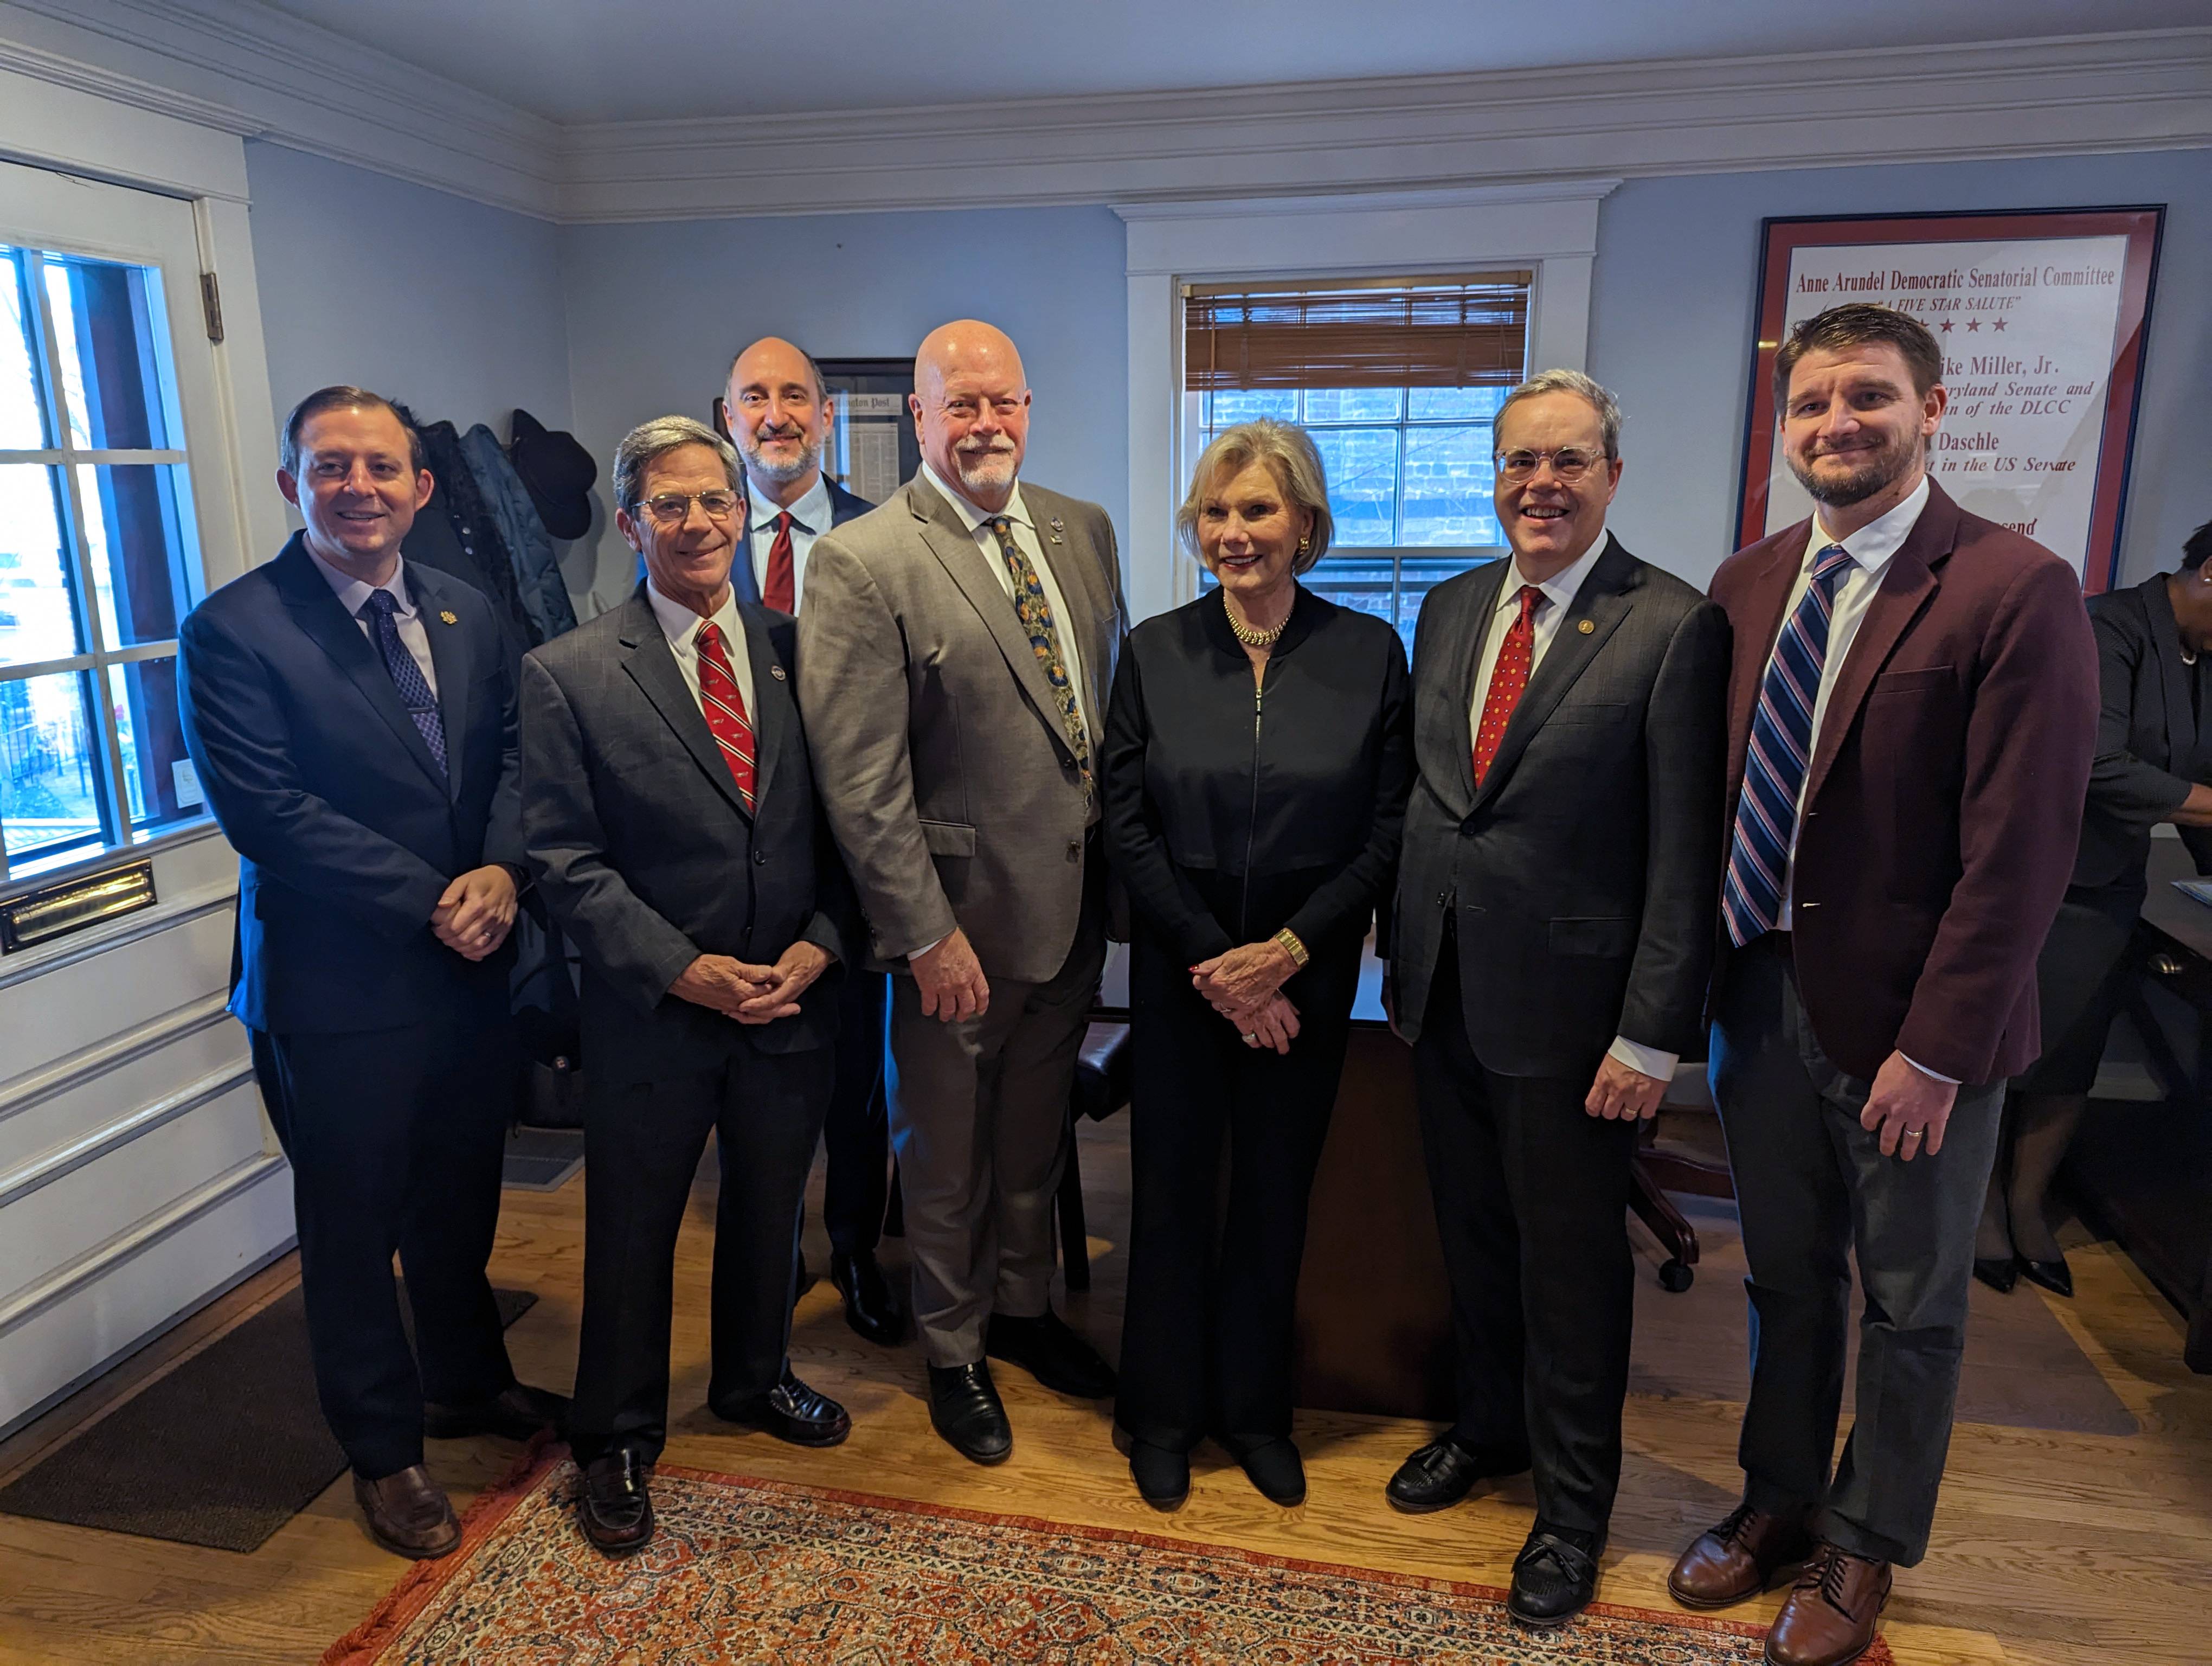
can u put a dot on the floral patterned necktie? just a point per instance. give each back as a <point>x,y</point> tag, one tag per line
<point>1036,615</point>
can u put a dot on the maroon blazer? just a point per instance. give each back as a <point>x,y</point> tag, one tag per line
<point>1944,803</point>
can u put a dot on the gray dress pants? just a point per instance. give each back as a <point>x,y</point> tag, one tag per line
<point>1812,1187</point>
<point>979,1124</point>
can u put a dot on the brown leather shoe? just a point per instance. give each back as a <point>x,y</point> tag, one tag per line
<point>1739,1559</point>
<point>408,1513</point>
<point>1828,1618</point>
<point>614,1506</point>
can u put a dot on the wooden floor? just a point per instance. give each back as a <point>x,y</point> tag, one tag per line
<point>2067,1549</point>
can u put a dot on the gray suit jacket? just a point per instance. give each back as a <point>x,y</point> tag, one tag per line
<point>646,855</point>
<point>949,780</point>
<point>1584,873</point>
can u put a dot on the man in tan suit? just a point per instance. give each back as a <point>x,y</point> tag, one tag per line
<point>956,645</point>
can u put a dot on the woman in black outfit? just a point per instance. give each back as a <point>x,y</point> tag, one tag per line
<point>2153,757</point>
<point>1258,752</point>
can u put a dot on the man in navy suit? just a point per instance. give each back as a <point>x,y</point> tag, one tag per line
<point>780,411</point>
<point>354,728</point>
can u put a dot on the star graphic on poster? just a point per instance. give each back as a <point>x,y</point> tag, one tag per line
<point>1997,323</point>
<point>1945,327</point>
<point>1973,324</point>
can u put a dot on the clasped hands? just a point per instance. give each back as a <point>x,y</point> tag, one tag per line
<point>476,911</point>
<point>750,994</point>
<point>1245,987</point>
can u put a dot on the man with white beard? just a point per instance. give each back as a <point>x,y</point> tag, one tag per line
<point>955,650</point>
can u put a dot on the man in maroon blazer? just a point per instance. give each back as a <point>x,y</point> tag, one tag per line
<point>1913,708</point>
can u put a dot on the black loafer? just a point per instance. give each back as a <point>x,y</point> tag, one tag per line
<point>869,1308</point>
<point>2000,1272</point>
<point>613,1506</point>
<point>1048,1350</point>
<point>1443,1472</point>
<point>964,1407</point>
<point>516,1414</point>
<point>2052,1276</point>
<point>1274,1466</point>
<point>790,1411</point>
<point>1555,1577</point>
<point>1163,1476</point>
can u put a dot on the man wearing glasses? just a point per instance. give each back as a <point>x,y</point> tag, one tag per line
<point>669,809</point>
<point>1553,927</point>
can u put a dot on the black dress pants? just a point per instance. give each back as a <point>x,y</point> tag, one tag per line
<point>395,1138</point>
<point>1532,1205</point>
<point>1205,1337</point>
<point>642,1142</point>
<point>857,1133</point>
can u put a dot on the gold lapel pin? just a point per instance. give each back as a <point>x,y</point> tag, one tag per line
<point>450,618</point>
<point>1584,626</point>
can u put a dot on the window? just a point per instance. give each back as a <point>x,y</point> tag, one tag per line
<point>99,560</point>
<point>1398,382</point>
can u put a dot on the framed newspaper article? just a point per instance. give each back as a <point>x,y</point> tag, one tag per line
<point>2041,315</point>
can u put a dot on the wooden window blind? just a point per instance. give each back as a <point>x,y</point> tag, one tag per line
<point>1469,332</point>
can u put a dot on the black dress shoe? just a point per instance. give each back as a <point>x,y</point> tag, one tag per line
<point>869,1307</point>
<point>1555,1577</point>
<point>1163,1476</point>
<point>2052,1276</point>
<point>1273,1465</point>
<point>1048,1350</point>
<point>1999,1272</point>
<point>613,1506</point>
<point>516,1413</point>
<point>1443,1472</point>
<point>964,1407</point>
<point>790,1411</point>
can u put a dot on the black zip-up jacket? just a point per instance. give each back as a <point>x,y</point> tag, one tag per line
<point>1233,811</point>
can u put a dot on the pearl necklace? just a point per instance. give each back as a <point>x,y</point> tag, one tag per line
<point>1246,633</point>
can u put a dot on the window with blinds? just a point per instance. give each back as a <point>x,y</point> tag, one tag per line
<point>1398,381</point>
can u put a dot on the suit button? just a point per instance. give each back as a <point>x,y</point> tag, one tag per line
<point>1075,850</point>
<point>761,857</point>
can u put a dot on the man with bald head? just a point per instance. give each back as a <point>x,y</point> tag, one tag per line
<point>779,412</point>
<point>955,650</point>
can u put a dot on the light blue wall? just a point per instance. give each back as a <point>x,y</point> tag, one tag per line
<point>453,308</point>
<point>1672,324</point>
<point>655,312</point>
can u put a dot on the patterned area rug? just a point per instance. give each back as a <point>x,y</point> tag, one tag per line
<point>767,1573</point>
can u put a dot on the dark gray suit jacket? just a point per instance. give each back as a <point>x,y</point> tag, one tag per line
<point>2149,751</point>
<point>644,852</point>
<point>1584,872</point>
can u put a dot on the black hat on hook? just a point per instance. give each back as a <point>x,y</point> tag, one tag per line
<point>558,473</point>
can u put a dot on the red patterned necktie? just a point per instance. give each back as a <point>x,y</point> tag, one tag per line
<point>780,593</point>
<point>725,710</point>
<point>1508,681</point>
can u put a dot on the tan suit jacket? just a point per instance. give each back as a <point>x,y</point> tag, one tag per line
<point>938,746</point>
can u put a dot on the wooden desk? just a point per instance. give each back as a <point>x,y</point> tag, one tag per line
<point>2143,1172</point>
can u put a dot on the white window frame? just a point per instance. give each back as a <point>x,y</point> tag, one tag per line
<point>1550,230</point>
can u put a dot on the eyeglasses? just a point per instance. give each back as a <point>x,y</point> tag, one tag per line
<point>674,508</point>
<point>1569,463</point>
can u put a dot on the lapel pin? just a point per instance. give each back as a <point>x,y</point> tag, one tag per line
<point>776,672</point>
<point>449,617</point>
<point>1584,626</point>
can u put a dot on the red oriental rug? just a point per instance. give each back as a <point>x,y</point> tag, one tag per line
<point>767,1573</point>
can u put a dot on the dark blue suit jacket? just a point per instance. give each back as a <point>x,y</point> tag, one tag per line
<point>843,506</point>
<point>346,834</point>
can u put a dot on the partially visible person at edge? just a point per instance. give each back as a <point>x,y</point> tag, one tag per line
<point>1259,748</point>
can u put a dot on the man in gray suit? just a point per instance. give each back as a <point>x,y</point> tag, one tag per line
<point>955,650</point>
<point>1554,926</point>
<point>669,809</point>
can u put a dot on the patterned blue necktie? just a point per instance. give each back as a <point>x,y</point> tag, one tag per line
<point>406,676</point>
<point>1781,750</point>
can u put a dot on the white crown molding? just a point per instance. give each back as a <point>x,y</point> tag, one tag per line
<point>2148,90</point>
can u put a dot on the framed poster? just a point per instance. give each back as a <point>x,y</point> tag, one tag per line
<point>2041,315</point>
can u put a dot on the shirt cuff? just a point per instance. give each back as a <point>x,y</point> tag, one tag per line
<point>1932,1075</point>
<point>1650,1060</point>
<point>913,955</point>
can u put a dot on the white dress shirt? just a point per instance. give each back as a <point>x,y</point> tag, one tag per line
<point>1546,618</point>
<point>1025,536</point>
<point>353,595</point>
<point>810,518</point>
<point>681,626</point>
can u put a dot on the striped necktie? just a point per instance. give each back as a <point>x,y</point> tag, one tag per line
<point>1781,750</point>
<point>725,709</point>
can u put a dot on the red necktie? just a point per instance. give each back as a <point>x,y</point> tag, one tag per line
<point>725,710</point>
<point>780,593</point>
<point>1508,681</point>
